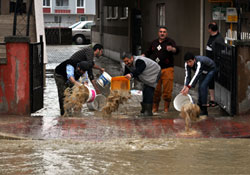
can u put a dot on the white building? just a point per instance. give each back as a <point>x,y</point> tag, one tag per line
<point>64,13</point>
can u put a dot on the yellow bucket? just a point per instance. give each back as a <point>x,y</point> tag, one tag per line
<point>120,83</point>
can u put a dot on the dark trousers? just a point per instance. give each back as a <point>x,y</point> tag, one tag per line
<point>204,82</point>
<point>147,94</point>
<point>61,86</point>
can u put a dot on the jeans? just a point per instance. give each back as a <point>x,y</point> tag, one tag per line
<point>147,94</point>
<point>204,82</point>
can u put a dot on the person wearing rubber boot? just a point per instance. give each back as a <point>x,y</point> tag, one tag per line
<point>162,51</point>
<point>146,71</point>
<point>204,71</point>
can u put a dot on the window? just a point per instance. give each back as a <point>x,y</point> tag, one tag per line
<point>124,13</point>
<point>109,12</point>
<point>161,14</point>
<point>88,25</point>
<point>57,19</point>
<point>114,12</point>
<point>62,2</point>
<point>98,9</point>
<point>82,18</point>
<point>46,3</point>
<point>80,3</point>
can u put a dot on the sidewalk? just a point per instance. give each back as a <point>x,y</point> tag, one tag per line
<point>47,123</point>
<point>99,129</point>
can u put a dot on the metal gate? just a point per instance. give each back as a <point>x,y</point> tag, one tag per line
<point>225,82</point>
<point>36,75</point>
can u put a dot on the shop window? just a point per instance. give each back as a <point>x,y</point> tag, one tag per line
<point>161,14</point>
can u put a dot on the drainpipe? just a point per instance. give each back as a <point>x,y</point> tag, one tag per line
<point>202,26</point>
<point>101,21</point>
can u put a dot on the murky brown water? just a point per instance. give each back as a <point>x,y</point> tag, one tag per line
<point>129,156</point>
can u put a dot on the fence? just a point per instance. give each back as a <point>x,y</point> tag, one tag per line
<point>58,35</point>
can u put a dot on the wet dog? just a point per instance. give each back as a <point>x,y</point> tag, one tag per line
<point>190,113</point>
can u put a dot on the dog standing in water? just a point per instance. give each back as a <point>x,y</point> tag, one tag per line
<point>190,113</point>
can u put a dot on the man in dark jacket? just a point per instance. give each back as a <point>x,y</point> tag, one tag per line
<point>204,71</point>
<point>162,51</point>
<point>148,72</point>
<point>67,73</point>
<point>214,37</point>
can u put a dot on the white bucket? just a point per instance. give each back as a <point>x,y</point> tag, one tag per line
<point>92,94</point>
<point>104,79</point>
<point>181,100</point>
<point>98,103</point>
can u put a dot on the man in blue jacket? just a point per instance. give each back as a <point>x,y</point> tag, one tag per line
<point>204,71</point>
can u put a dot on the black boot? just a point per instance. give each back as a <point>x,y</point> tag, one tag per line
<point>203,111</point>
<point>148,110</point>
<point>142,108</point>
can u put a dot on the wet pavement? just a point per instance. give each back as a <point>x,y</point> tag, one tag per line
<point>47,123</point>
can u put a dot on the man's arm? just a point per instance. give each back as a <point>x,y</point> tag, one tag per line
<point>70,74</point>
<point>139,68</point>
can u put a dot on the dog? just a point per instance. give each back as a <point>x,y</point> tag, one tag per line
<point>190,113</point>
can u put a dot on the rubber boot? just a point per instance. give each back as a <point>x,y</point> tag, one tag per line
<point>166,106</point>
<point>204,112</point>
<point>155,107</point>
<point>142,108</point>
<point>148,110</point>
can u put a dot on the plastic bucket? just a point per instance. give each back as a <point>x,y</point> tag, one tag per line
<point>104,79</point>
<point>92,94</point>
<point>120,83</point>
<point>98,103</point>
<point>181,100</point>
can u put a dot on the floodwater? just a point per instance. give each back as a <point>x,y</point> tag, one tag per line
<point>126,156</point>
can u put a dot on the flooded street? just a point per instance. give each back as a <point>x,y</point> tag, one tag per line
<point>123,144</point>
<point>126,156</point>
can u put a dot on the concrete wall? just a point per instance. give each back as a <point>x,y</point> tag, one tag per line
<point>243,78</point>
<point>116,36</point>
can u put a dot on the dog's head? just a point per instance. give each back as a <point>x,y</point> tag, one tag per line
<point>191,110</point>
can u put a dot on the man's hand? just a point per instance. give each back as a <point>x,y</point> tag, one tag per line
<point>128,76</point>
<point>102,69</point>
<point>171,48</point>
<point>185,90</point>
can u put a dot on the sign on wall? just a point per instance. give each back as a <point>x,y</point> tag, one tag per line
<point>232,15</point>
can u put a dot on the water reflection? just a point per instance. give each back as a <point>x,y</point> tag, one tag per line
<point>126,156</point>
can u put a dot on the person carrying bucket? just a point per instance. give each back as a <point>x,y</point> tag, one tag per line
<point>148,72</point>
<point>205,70</point>
<point>85,54</point>
<point>68,76</point>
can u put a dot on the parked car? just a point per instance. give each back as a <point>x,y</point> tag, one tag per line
<point>81,31</point>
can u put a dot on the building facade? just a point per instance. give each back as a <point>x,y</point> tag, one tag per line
<point>131,25</point>
<point>63,13</point>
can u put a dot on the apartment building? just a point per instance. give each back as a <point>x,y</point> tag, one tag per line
<point>63,13</point>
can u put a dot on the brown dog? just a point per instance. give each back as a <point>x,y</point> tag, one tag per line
<point>190,113</point>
